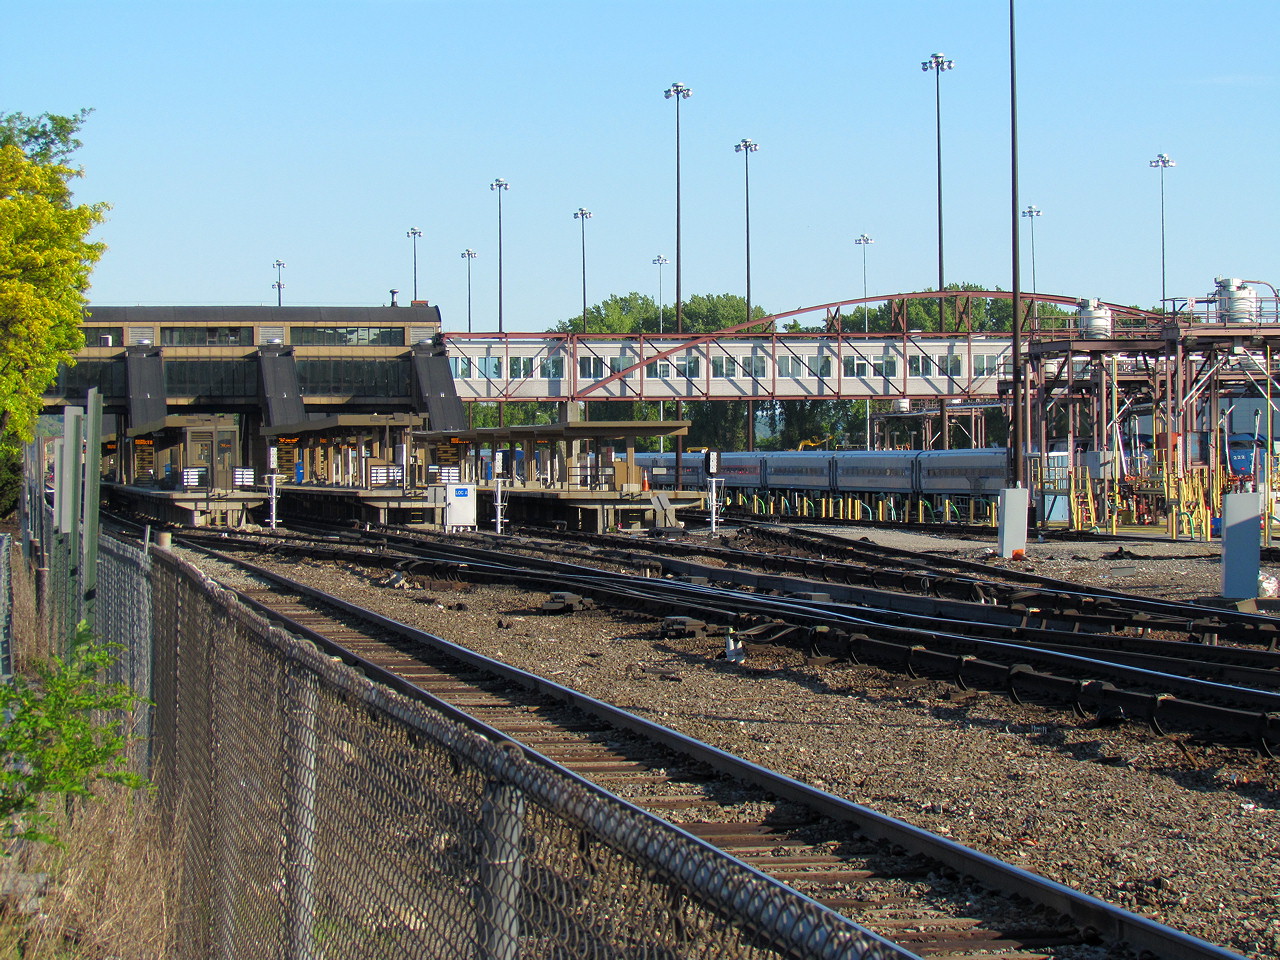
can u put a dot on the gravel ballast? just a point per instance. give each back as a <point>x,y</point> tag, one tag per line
<point>1180,831</point>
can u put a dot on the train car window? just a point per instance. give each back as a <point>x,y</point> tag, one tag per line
<point>855,367</point>
<point>724,368</point>
<point>687,367</point>
<point>818,366</point>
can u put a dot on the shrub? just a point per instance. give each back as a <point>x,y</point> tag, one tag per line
<point>64,736</point>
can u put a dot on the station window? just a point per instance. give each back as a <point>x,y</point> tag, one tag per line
<point>107,375</point>
<point>919,366</point>
<point>618,364</point>
<point>755,367</point>
<point>460,367</point>
<point>344,377</point>
<point>590,368</point>
<point>855,367</point>
<point>790,367</point>
<point>658,368</point>
<point>724,368</point>
<point>551,368</point>
<point>211,378</point>
<point>488,367</point>
<point>206,336</point>
<point>103,336</point>
<point>519,368</point>
<point>887,367</point>
<point>951,366</point>
<point>346,336</point>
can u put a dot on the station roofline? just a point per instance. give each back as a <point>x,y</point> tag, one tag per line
<point>419,313</point>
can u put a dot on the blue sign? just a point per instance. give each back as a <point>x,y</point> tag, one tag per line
<point>461,492</point>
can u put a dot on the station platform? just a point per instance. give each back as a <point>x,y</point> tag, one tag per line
<point>594,511</point>
<point>185,508</point>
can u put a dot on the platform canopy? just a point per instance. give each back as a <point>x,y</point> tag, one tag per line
<point>344,423</point>
<point>565,432</point>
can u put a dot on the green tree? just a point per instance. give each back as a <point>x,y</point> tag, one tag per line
<point>45,262</point>
<point>48,138</point>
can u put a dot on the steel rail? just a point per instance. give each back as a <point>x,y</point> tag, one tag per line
<point>801,947</point>
<point>1200,699</point>
<point>1091,913</point>
<point>1262,624</point>
<point>817,613</point>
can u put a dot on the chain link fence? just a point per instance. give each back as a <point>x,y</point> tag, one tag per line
<point>327,816</point>
<point>6,608</point>
<point>320,816</point>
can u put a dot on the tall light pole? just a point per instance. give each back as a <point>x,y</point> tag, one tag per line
<point>678,92</point>
<point>413,234</point>
<point>279,284</point>
<point>1162,162</point>
<point>938,63</point>
<point>583,214</point>
<point>747,148</point>
<point>499,185</point>
<point>1031,212</point>
<point>864,241</point>
<point>660,261</point>
<point>468,255</point>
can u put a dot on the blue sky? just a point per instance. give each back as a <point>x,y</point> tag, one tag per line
<point>228,134</point>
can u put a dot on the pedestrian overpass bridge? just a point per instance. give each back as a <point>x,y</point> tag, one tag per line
<point>763,360</point>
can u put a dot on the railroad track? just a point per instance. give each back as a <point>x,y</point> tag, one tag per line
<point>1222,693</point>
<point>909,886</point>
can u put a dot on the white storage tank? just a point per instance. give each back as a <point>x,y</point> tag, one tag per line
<point>902,405</point>
<point>1236,302</point>
<point>1095,320</point>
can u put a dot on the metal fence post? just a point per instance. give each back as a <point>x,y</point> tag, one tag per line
<point>302,708</point>
<point>92,482</point>
<point>501,867</point>
<point>6,610</point>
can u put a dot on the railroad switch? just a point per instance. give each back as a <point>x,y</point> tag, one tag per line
<point>564,602</point>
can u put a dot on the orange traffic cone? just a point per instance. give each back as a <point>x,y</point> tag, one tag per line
<point>644,481</point>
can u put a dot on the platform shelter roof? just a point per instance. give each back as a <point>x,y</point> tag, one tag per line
<point>345,423</point>
<point>577,430</point>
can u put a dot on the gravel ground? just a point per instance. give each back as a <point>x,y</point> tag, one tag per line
<point>1180,831</point>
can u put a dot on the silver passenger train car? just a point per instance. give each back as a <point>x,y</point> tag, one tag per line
<point>895,476</point>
